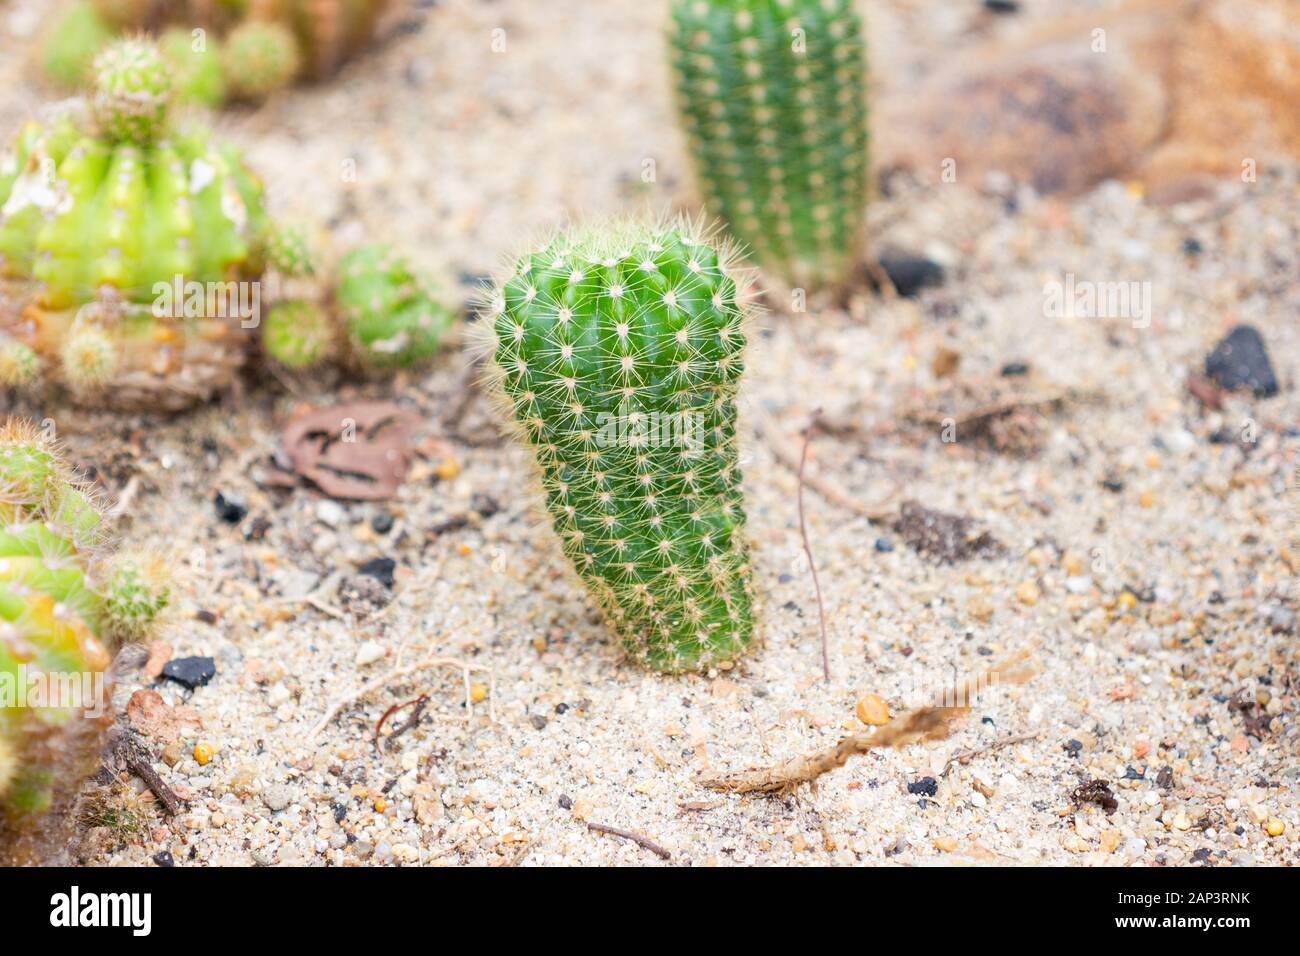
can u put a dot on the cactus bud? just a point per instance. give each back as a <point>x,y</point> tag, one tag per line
<point>89,358</point>
<point>19,364</point>
<point>133,90</point>
<point>620,351</point>
<point>136,590</point>
<point>298,334</point>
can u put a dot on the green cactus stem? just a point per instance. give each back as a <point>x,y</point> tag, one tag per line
<point>61,608</point>
<point>103,215</point>
<point>771,94</point>
<point>260,58</point>
<point>620,351</point>
<point>392,312</point>
<point>298,334</point>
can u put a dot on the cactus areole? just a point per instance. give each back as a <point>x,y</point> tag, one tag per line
<point>772,98</point>
<point>620,351</point>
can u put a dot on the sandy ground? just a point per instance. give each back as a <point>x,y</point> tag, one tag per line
<point>1150,606</point>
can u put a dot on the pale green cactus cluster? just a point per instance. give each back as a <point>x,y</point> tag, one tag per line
<point>620,352</point>
<point>102,213</point>
<point>772,96</point>
<point>65,602</point>
<point>244,49</point>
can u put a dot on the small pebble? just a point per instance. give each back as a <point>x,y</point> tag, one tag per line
<point>277,797</point>
<point>230,507</point>
<point>190,672</point>
<point>1274,827</point>
<point>1028,592</point>
<point>872,710</point>
<point>202,753</point>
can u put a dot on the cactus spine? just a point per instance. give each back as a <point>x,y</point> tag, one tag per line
<point>391,311</point>
<point>772,97</point>
<point>61,607</point>
<point>620,351</point>
<point>102,215</point>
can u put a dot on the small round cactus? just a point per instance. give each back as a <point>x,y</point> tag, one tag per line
<point>391,311</point>
<point>260,58</point>
<point>196,67</point>
<point>620,351</point>
<point>61,609</point>
<point>772,97</point>
<point>298,334</point>
<point>118,223</point>
<point>133,90</point>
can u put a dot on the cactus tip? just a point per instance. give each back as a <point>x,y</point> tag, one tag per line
<point>19,364</point>
<point>137,589</point>
<point>133,88</point>
<point>89,358</point>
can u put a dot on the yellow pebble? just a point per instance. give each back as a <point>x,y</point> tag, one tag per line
<point>1127,600</point>
<point>1028,593</point>
<point>1072,564</point>
<point>873,710</point>
<point>202,753</point>
<point>1153,460</point>
<point>1275,827</point>
<point>464,550</point>
<point>477,692</point>
<point>447,469</point>
<point>539,644</point>
<point>1147,499</point>
<point>380,804</point>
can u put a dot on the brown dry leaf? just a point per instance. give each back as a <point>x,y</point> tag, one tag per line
<point>357,450</point>
<point>153,717</point>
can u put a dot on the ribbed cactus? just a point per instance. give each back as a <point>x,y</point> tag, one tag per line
<point>620,350</point>
<point>391,311</point>
<point>114,220</point>
<point>772,97</point>
<point>63,604</point>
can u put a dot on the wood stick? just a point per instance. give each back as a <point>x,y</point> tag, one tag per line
<point>638,839</point>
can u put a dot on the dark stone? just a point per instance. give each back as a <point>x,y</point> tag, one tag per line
<point>230,508</point>
<point>485,505</point>
<point>911,274</point>
<point>565,802</point>
<point>1240,360</point>
<point>190,672</point>
<point>1112,484</point>
<point>381,569</point>
<point>561,708</point>
<point>382,523</point>
<point>1013,369</point>
<point>1072,747</point>
<point>538,722</point>
<point>884,545</point>
<point>927,786</point>
<point>1002,6</point>
<point>164,858</point>
<point>1192,246</point>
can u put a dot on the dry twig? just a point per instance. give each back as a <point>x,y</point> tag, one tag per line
<point>926,723</point>
<point>399,672</point>
<point>807,548</point>
<point>638,839</point>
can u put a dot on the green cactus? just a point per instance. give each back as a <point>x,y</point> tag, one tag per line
<point>772,97</point>
<point>392,313</point>
<point>100,214</point>
<point>298,331</point>
<point>72,44</point>
<point>620,351</point>
<point>196,67</point>
<point>62,607</point>
<point>260,58</point>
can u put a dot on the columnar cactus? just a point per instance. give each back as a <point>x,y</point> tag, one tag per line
<point>772,97</point>
<point>391,311</point>
<point>620,351</point>
<point>131,236</point>
<point>63,604</point>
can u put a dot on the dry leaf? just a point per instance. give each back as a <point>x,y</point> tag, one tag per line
<point>357,450</point>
